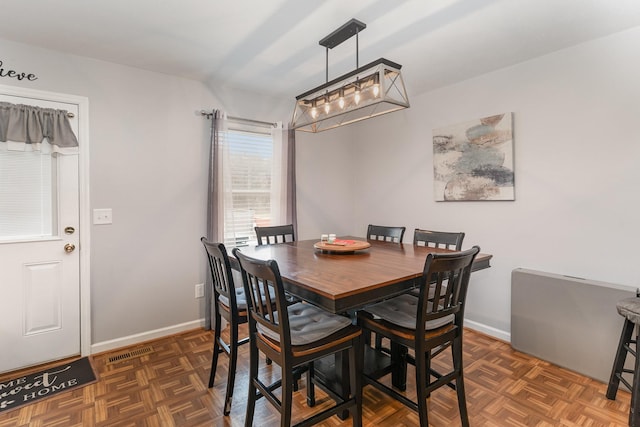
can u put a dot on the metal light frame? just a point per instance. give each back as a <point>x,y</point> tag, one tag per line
<point>369,91</point>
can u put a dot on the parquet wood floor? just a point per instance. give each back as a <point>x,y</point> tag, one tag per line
<point>168,387</point>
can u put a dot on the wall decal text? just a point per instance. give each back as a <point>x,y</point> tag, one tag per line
<point>13,74</point>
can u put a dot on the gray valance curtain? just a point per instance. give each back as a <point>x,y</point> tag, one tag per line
<point>30,125</point>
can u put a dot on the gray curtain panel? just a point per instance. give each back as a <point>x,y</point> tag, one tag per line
<point>30,124</point>
<point>292,212</point>
<point>213,200</point>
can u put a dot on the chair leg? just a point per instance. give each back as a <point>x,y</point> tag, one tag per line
<point>422,361</point>
<point>621,356</point>
<point>427,369</point>
<point>344,373</point>
<point>231,374</point>
<point>287,397</point>
<point>634,410</point>
<point>216,351</point>
<point>378,342</point>
<point>367,337</point>
<point>458,368</point>
<point>356,356</point>
<point>311,390</point>
<point>295,378</point>
<point>253,375</point>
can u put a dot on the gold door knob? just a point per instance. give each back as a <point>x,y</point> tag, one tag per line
<point>69,247</point>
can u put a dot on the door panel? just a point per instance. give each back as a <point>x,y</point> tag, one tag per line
<point>39,279</point>
<point>42,302</point>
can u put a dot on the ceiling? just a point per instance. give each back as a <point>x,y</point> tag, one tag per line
<point>271,46</point>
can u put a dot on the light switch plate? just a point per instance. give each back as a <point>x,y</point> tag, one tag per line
<point>102,216</point>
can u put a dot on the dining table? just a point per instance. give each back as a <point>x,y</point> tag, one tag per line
<point>342,281</point>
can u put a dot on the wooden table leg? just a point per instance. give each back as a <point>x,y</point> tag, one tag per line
<point>399,366</point>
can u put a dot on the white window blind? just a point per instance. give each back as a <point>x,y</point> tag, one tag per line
<point>27,185</point>
<point>248,175</point>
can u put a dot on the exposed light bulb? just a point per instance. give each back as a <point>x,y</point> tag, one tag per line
<point>356,97</point>
<point>314,112</point>
<point>376,90</point>
<point>341,102</point>
<point>327,107</point>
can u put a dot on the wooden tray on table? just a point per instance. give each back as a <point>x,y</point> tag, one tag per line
<point>342,245</point>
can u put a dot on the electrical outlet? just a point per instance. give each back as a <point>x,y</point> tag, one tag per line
<point>200,290</point>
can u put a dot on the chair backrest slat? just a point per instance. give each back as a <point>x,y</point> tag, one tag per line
<point>438,239</point>
<point>220,268</point>
<point>386,233</point>
<point>454,269</point>
<point>267,309</point>
<point>438,285</point>
<point>275,234</point>
<point>261,301</point>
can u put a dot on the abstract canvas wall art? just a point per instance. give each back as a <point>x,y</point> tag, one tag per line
<point>474,160</point>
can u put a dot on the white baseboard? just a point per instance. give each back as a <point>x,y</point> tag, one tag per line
<point>145,336</point>
<point>175,329</point>
<point>489,330</point>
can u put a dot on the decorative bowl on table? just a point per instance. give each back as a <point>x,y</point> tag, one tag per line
<point>341,245</point>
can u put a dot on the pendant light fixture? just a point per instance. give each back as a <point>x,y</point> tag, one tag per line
<point>368,91</point>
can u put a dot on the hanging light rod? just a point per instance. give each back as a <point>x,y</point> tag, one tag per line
<point>345,32</point>
<point>374,89</point>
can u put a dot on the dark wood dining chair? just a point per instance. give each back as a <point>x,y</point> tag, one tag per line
<point>438,239</point>
<point>388,234</point>
<point>275,234</point>
<point>293,336</point>
<point>427,328</point>
<point>230,304</point>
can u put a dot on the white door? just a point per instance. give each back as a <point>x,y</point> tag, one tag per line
<point>39,252</point>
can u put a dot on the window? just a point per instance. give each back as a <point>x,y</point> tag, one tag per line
<point>248,170</point>
<point>27,198</point>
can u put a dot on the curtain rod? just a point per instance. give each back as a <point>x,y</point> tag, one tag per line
<point>239,119</point>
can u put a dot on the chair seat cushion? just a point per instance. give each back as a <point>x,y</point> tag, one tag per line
<point>432,291</point>
<point>630,308</point>
<point>402,311</point>
<point>241,298</point>
<point>309,323</point>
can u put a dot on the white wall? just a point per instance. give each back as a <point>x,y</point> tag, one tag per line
<point>149,164</point>
<point>576,150</point>
<point>324,181</point>
<point>576,115</point>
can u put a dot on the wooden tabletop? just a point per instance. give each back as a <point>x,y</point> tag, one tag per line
<point>339,282</point>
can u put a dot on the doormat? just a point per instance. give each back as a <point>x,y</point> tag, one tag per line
<point>39,385</point>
